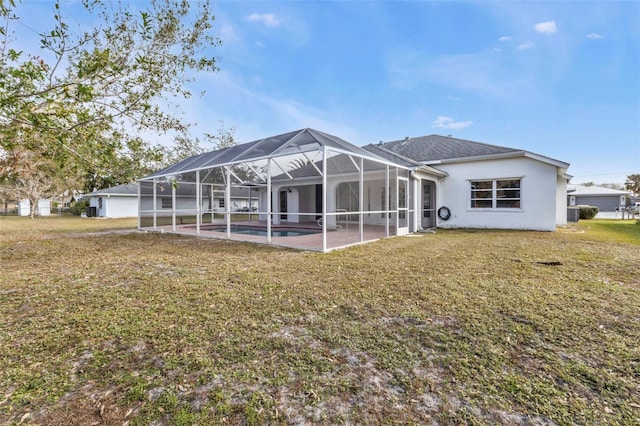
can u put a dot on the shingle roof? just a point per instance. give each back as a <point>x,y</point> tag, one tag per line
<point>396,157</point>
<point>127,189</point>
<point>576,189</point>
<point>436,147</point>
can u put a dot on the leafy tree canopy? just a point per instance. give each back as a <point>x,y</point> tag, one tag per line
<point>633,183</point>
<point>80,100</point>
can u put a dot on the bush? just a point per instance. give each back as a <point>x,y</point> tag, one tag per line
<point>79,207</point>
<point>588,212</point>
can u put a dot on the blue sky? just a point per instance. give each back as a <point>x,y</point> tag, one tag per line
<point>561,79</point>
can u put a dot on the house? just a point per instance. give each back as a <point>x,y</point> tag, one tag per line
<point>605,199</point>
<point>315,191</point>
<point>489,186</point>
<point>113,202</point>
<point>183,197</point>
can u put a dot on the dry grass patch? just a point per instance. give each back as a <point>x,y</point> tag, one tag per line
<point>477,327</point>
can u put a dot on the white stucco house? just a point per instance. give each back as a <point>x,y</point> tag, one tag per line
<point>116,201</point>
<point>490,186</point>
<point>316,191</point>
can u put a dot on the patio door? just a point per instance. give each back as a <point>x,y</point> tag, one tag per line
<point>428,216</point>
<point>403,206</point>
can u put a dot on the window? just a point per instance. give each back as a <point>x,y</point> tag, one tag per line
<point>495,194</point>
<point>100,203</point>
<point>166,203</point>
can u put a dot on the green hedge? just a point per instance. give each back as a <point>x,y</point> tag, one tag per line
<point>79,207</point>
<point>588,212</point>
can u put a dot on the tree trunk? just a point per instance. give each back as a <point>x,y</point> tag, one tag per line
<point>33,208</point>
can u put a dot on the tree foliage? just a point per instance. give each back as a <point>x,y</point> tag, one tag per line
<point>633,183</point>
<point>32,177</point>
<point>80,101</point>
<point>225,137</point>
<point>612,185</point>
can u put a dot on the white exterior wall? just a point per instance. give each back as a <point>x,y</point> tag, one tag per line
<point>561,200</point>
<point>120,206</point>
<point>93,202</point>
<point>115,206</point>
<point>538,194</point>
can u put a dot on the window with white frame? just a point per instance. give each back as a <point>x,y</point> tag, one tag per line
<point>495,194</point>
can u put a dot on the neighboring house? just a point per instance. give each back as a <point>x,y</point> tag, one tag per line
<point>605,199</point>
<point>113,202</point>
<point>316,191</point>
<point>43,209</point>
<point>183,196</point>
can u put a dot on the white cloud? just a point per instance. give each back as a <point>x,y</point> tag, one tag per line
<point>526,45</point>
<point>505,38</point>
<point>595,36</point>
<point>547,28</point>
<point>444,122</point>
<point>268,19</point>
<point>228,33</point>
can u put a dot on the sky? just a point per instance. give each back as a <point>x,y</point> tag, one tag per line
<point>558,78</point>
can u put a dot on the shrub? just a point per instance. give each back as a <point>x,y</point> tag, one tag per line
<point>79,207</point>
<point>588,212</point>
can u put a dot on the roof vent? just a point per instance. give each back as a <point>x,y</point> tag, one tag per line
<point>379,143</point>
<point>406,138</point>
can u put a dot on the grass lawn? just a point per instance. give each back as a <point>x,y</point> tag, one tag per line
<point>456,327</point>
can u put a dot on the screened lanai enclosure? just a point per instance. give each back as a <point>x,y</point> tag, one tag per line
<point>304,189</point>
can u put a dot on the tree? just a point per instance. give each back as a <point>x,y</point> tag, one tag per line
<point>224,137</point>
<point>32,177</point>
<point>183,148</point>
<point>87,95</point>
<point>6,195</point>
<point>612,185</point>
<point>633,183</point>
